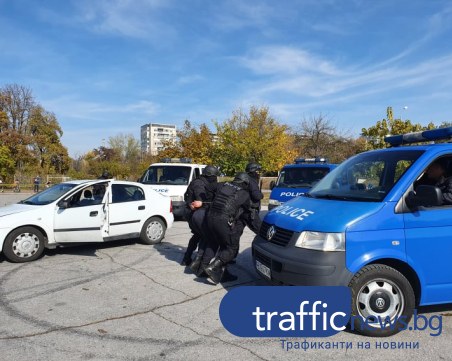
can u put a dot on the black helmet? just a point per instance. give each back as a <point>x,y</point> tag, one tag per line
<point>242,177</point>
<point>252,167</point>
<point>210,170</point>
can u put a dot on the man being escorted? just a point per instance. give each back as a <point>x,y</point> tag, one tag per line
<point>199,195</point>
<point>231,201</point>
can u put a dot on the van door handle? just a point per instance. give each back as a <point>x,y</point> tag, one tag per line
<point>93,213</point>
<point>140,208</point>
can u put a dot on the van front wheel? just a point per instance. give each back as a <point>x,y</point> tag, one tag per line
<point>382,301</point>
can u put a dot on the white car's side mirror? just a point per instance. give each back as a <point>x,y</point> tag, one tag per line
<point>63,204</point>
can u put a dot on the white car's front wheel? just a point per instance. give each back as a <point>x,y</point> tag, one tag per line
<point>23,245</point>
<point>153,231</point>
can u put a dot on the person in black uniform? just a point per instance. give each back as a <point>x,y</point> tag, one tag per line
<point>251,218</point>
<point>232,199</point>
<point>199,196</point>
<point>105,175</point>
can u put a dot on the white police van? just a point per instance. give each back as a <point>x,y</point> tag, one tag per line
<point>171,178</point>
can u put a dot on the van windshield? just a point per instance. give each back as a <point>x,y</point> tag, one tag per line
<point>301,177</point>
<point>166,174</point>
<point>366,177</point>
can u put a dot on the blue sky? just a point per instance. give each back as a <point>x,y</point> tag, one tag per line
<point>109,66</point>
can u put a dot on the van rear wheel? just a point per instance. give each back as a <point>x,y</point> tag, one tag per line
<point>382,301</point>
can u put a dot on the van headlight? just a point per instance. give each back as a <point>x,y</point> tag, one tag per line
<point>321,241</point>
<point>274,202</point>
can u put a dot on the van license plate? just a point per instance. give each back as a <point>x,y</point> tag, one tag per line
<point>263,269</point>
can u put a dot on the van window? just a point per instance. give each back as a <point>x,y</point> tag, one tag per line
<point>438,174</point>
<point>367,176</point>
<point>296,177</point>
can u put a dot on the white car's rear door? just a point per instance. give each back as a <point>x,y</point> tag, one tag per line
<point>128,210</point>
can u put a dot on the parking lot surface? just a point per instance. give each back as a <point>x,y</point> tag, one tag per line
<point>129,301</point>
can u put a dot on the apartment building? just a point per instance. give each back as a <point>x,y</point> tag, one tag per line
<point>153,135</point>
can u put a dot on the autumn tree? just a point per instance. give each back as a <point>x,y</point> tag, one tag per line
<point>126,147</point>
<point>253,136</point>
<point>32,134</point>
<point>6,164</point>
<point>45,134</point>
<point>376,134</point>
<point>192,142</point>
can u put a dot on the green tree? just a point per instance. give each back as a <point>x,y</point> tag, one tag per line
<point>6,164</point>
<point>253,136</point>
<point>376,134</point>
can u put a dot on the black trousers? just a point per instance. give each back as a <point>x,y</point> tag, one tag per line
<point>196,224</point>
<point>251,220</point>
<point>222,239</point>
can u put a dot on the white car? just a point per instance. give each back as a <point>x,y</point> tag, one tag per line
<point>81,212</point>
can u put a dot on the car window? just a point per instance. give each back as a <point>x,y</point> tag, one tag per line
<point>127,193</point>
<point>88,196</point>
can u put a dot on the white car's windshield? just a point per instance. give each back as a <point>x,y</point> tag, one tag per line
<point>49,195</point>
<point>366,177</point>
<point>170,175</point>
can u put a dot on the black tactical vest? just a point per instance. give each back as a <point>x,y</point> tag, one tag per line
<point>225,201</point>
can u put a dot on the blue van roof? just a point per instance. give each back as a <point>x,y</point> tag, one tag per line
<point>310,165</point>
<point>424,147</point>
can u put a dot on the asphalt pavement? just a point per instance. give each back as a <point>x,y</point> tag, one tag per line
<point>129,301</point>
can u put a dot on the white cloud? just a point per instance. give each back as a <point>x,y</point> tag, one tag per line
<point>286,60</point>
<point>188,79</point>
<point>130,18</point>
<point>296,71</point>
<point>71,108</point>
<point>237,14</point>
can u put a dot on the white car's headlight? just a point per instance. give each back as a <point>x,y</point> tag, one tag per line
<point>274,202</point>
<point>321,241</point>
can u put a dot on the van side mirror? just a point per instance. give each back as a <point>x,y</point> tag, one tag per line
<point>425,196</point>
<point>63,204</point>
<point>272,184</point>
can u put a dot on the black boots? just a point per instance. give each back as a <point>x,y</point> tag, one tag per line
<point>215,270</point>
<point>186,261</point>
<point>196,264</point>
<point>228,277</point>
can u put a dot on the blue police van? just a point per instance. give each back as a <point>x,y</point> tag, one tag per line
<point>379,223</point>
<point>296,179</point>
